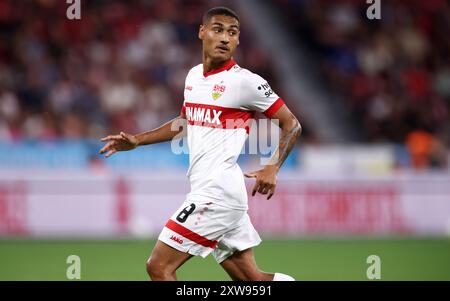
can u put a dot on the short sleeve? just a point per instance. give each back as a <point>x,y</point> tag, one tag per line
<point>187,88</point>
<point>258,96</point>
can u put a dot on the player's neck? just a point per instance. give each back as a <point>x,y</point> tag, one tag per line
<point>210,65</point>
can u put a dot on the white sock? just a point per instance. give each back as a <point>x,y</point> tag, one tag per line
<point>282,277</point>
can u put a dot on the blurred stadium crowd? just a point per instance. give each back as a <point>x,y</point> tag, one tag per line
<point>393,73</point>
<point>121,67</point>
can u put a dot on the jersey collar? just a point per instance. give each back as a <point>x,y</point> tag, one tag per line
<point>227,66</point>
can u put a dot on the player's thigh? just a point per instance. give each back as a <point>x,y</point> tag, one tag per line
<point>242,266</point>
<point>164,257</point>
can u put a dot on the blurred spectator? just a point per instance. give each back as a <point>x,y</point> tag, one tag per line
<point>121,67</point>
<point>420,145</point>
<point>426,151</point>
<point>394,73</point>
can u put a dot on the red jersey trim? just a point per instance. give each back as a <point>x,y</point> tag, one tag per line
<point>185,232</point>
<point>274,108</point>
<point>227,66</point>
<point>217,117</point>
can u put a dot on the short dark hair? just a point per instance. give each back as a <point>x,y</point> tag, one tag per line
<point>219,10</point>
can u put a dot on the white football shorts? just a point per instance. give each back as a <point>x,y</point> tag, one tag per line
<point>202,228</point>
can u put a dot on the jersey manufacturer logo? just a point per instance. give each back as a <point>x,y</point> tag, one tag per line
<point>218,90</point>
<point>176,239</point>
<point>189,88</point>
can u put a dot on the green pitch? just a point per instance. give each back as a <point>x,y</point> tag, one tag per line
<point>305,259</point>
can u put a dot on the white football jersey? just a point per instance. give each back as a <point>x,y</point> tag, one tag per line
<point>219,106</point>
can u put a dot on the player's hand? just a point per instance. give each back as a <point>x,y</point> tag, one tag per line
<point>266,180</point>
<point>115,143</point>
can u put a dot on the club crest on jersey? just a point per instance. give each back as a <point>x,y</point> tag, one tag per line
<point>218,90</point>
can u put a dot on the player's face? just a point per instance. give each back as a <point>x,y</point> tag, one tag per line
<point>220,37</point>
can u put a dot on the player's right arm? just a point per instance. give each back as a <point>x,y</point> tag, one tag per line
<point>125,142</point>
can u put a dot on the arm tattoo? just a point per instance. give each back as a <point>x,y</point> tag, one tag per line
<point>287,142</point>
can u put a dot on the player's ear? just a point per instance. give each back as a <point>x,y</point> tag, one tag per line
<point>201,32</point>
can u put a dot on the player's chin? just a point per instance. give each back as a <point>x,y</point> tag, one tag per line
<point>221,56</point>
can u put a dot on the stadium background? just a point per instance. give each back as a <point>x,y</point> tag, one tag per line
<point>369,176</point>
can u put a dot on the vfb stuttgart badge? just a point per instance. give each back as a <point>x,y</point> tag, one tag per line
<point>218,90</point>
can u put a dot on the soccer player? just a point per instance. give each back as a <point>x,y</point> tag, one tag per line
<point>214,216</point>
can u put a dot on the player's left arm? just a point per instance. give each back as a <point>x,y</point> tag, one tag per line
<point>266,178</point>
